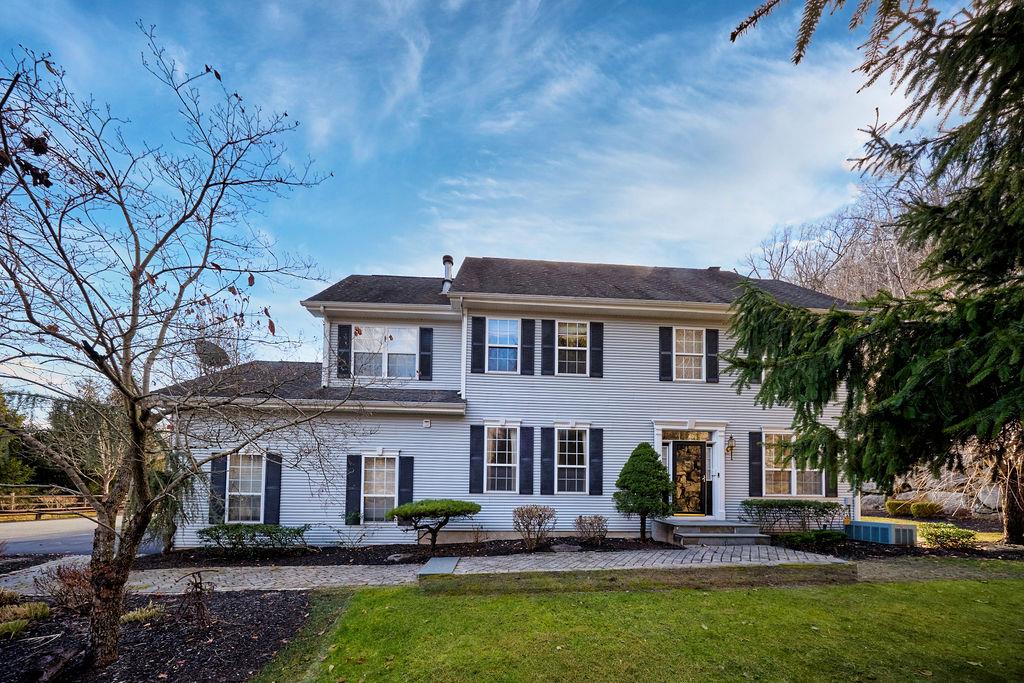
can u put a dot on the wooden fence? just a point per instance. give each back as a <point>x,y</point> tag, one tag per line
<point>41,504</point>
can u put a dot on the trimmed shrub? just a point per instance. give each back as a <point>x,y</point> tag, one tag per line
<point>644,486</point>
<point>242,539</point>
<point>10,629</point>
<point>948,536</point>
<point>778,515</point>
<point>148,613</point>
<point>926,509</point>
<point>26,610</point>
<point>592,528</point>
<point>534,523</point>
<point>818,541</point>
<point>431,515</point>
<point>68,585</point>
<point>898,508</point>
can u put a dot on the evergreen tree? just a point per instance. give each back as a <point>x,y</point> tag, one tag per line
<point>13,469</point>
<point>920,376</point>
<point>644,486</point>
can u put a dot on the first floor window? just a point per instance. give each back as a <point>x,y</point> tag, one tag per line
<point>384,351</point>
<point>689,353</point>
<point>502,458</point>
<point>572,348</point>
<point>502,345</point>
<point>571,460</point>
<point>781,476</point>
<point>245,487</point>
<point>380,486</point>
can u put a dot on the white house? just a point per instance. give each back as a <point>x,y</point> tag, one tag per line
<point>515,382</point>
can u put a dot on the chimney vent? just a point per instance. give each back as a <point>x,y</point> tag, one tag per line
<point>448,262</point>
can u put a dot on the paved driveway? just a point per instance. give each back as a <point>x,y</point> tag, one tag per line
<point>71,536</point>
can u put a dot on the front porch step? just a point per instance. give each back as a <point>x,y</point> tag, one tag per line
<point>726,538</point>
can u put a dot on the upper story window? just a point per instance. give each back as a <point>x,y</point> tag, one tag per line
<point>380,487</point>
<point>781,477</point>
<point>572,348</point>
<point>571,460</point>
<point>245,488</point>
<point>502,345</point>
<point>379,351</point>
<point>502,459</point>
<point>688,356</point>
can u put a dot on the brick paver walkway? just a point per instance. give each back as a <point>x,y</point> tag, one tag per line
<point>306,578</point>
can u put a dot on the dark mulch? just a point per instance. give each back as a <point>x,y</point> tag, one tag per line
<point>250,628</point>
<point>12,563</point>
<point>862,550</point>
<point>371,554</point>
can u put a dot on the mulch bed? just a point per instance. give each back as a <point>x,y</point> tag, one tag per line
<point>250,628</point>
<point>863,550</point>
<point>412,553</point>
<point>12,563</point>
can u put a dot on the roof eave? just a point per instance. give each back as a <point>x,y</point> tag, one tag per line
<point>322,309</point>
<point>350,405</point>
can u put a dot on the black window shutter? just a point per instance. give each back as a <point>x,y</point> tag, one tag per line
<point>426,353</point>
<point>547,461</point>
<point>405,468</point>
<point>218,487</point>
<point>755,464</point>
<point>596,462</point>
<point>353,488</point>
<point>831,483</point>
<point>665,354</point>
<point>477,345</point>
<point>272,490</point>
<point>711,356</point>
<point>527,343</point>
<point>526,460</point>
<point>597,349</point>
<point>344,350</point>
<point>476,458</point>
<point>547,347</point>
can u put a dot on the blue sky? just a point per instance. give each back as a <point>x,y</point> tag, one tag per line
<point>602,131</point>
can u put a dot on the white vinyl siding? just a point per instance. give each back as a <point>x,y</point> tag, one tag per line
<point>380,487</point>
<point>245,488</point>
<point>570,460</point>
<point>688,354</point>
<point>502,460</point>
<point>502,345</point>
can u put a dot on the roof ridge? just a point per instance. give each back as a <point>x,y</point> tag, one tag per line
<point>594,263</point>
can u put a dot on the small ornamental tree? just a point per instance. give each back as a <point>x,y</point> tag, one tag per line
<point>644,487</point>
<point>430,516</point>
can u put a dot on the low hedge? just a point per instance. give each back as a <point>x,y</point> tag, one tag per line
<point>248,538</point>
<point>948,536</point>
<point>898,508</point>
<point>926,509</point>
<point>818,541</point>
<point>777,515</point>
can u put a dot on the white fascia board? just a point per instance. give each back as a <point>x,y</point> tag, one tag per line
<point>339,309</point>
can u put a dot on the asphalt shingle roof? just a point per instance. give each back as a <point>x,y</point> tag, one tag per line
<point>385,289</point>
<point>292,380</point>
<point>605,281</point>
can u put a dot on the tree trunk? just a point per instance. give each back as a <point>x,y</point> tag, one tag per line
<point>1013,503</point>
<point>643,527</point>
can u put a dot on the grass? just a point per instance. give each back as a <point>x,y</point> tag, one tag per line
<point>983,536</point>
<point>946,630</point>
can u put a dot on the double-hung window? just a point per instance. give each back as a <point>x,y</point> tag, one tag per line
<point>502,345</point>
<point>502,459</point>
<point>380,487</point>
<point>781,476</point>
<point>380,352</point>
<point>688,356</point>
<point>572,348</point>
<point>570,460</point>
<point>245,487</point>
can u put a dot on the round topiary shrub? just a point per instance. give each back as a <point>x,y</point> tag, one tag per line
<point>926,509</point>
<point>644,486</point>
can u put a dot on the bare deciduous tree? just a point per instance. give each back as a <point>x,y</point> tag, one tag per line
<point>125,264</point>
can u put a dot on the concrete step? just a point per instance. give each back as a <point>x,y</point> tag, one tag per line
<point>687,538</point>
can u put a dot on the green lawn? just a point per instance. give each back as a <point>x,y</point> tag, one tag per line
<point>983,536</point>
<point>943,630</point>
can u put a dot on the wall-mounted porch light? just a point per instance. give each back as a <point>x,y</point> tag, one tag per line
<point>730,445</point>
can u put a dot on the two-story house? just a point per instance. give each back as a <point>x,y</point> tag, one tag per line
<point>517,382</point>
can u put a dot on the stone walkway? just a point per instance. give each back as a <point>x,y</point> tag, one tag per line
<point>306,578</point>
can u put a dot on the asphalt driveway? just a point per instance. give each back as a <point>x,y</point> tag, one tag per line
<point>71,536</point>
